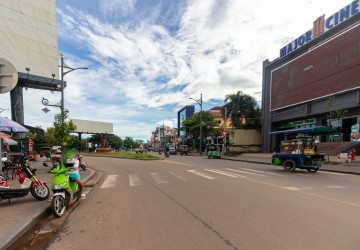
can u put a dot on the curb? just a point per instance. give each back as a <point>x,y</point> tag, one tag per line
<point>267,163</point>
<point>21,227</point>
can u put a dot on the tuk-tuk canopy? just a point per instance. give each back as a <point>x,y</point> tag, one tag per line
<point>317,130</point>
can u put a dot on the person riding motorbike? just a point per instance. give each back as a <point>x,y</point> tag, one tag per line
<point>70,159</point>
<point>73,164</point>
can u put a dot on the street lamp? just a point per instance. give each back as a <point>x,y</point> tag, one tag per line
<point>45,102</point>
<point>200,103</point>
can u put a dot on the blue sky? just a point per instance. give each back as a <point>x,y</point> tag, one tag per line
<point>147,57</point>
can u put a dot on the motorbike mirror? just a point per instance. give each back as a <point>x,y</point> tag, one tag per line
<point>45,165</point>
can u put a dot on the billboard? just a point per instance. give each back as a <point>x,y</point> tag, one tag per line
<point>331,67</point>
<point>92,127</point>
<point>29,36</point>
<point>184,114</point>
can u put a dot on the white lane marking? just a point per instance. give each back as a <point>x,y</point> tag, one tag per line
<point>223,173</point>
<point>258,171</point>
<point>307,174</point>
<point>201,174</point>
<point>334,173</point>
<point>245,172</point>
<point>178,163</point>
<point>109,182</point>
<point>135,180</point>
<point>292,188</point>
<point>336,187</point>
<point>178,176</point>
<point>158,178</point>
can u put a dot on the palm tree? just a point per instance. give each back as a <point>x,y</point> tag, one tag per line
<point>239,105</point>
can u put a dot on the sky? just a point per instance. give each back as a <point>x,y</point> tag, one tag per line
<point>146,58</point>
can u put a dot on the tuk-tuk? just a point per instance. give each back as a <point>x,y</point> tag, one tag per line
<point>214,146</point>
<point>184,149</point>
<point>300,150</point>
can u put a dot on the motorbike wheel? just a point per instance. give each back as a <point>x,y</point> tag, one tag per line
<point>83,166</point>
<point>40,193</point>
<point>58,206</point>
<point>289,165</point>
<point>312,170</point>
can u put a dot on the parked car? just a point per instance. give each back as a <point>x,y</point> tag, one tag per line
<point>172,150</point>
<point>139,150</point>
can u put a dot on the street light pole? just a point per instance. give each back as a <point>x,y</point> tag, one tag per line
<point>200,103</point>
<point>62,74</point>
<point>62,86</point>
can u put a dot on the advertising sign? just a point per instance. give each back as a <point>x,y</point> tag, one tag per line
<point>354,135</point>
<point>333,67</point>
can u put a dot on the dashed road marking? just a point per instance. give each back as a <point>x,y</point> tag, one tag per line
<point>245,172</point>
<point>292,188</point>
<point>178,176</point>
<point>201,174</point>
<point>158,178</point>
<point>224,173</point>
<point>109,182</point>
<point>135,180</point>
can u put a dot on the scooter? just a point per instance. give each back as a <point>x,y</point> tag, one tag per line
<point>82,164</point>
<point>65,191</point>
<point>28,183</point>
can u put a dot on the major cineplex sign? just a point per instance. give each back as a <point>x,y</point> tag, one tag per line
<point>321,25</point>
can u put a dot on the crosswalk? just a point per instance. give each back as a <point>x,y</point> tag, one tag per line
<point>188,175</point>
<point>211,174</point>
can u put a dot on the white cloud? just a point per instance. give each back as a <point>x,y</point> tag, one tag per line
<point>146,62</point>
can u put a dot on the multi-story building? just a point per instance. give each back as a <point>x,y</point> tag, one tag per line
<point>163,136</point>
<point>316,75</point>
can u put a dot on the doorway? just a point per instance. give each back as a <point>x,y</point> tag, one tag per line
<point>346,127</point>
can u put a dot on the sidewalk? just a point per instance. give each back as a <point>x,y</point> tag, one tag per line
<point>264,158</point>
<point>22,213</point>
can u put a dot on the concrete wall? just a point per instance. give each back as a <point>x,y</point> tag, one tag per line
<point>29,36</point>
<point>245,140</point>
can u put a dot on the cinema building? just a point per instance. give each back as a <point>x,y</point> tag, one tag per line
<point>316,80</point>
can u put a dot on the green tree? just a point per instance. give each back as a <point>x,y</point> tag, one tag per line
<point>334,112</point>
<point>49,137</point>
<point>129,143</point>
<point>113,140</point>
<point>209,124</point>
<point>63,129</point>
<point>240,105</point>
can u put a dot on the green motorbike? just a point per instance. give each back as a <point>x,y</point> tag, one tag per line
<point>66,191</point>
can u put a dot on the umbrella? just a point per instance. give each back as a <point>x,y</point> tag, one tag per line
<point>7,125</point>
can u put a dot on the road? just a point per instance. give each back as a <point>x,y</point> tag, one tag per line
<point>191,202</point>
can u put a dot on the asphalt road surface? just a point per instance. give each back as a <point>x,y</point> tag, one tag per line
<point>191,202</point>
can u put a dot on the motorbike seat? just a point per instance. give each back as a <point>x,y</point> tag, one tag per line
<point>4,176</point>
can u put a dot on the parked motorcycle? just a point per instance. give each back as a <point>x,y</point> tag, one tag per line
<point>28,183</point>
<point>82,164</point>
<point>66,192</point>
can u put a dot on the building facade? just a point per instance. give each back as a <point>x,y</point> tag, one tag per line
<point>183,114</point>
<point>316,79</point>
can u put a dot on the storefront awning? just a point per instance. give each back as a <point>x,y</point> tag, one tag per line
<point>9,141</point>
<point>317,130</point>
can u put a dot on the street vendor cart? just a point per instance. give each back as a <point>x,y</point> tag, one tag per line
<point>300,151</point>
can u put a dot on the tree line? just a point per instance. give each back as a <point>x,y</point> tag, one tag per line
<point>242,109</point>
<point>62,134</point>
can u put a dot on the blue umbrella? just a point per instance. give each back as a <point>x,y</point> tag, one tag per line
<point>7,125</point>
